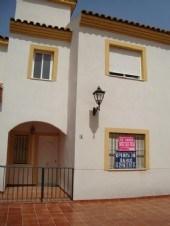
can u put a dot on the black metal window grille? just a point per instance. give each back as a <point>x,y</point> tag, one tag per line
<point>139,149</point>
<point>21,145</point>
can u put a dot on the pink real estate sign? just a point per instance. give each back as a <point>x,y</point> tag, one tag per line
<point>126,143</point>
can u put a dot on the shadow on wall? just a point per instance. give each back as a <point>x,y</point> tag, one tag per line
<point>0,98</point>
<point>93,122</point>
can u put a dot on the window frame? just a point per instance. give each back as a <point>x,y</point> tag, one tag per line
<point>42,65</point>
<point>125,46</point>
<point>54,56</point>
<point>126,131</point>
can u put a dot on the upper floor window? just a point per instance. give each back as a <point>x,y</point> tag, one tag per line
<point>43,63</point>
<point>125,61</point>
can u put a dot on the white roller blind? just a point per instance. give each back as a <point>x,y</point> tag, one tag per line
<point>125,61</point>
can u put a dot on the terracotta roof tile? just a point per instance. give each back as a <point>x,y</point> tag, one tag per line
<point>39,30</point>
<point>39,24</point>
<point>136,24</point>
<point>73,1</point>
<point>4,38</point>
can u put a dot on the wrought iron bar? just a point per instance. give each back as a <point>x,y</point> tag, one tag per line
<point>42,185</point>
<point>35,184</point>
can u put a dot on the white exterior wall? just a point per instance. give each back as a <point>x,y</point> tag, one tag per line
<point>67,103</point>
<point>3,56</point>
<point>43,11</point>
<point>3,137</point>
<point>127,104</point>
<point>27,100</point>
<point>68,143</point>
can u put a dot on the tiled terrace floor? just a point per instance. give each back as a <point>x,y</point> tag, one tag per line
<point>135,212</point>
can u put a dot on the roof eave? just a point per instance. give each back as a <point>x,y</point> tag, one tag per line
<point>40,31</point>
<point>4,41</point>
<point>123,27</point>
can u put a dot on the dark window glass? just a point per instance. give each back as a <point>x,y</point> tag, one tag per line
<point>46,66</point>
<point>37,65</point>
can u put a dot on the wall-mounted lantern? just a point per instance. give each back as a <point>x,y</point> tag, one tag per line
<point>98,96</point>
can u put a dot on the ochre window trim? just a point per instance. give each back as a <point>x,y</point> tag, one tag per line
<point>126,131</point>
<point>43,49</point>
<point>125,46</point>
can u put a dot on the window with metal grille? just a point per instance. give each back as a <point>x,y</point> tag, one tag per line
<point>21,146</point>
<point>126,149</point>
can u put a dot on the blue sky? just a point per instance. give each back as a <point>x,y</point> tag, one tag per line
<point>150,12</point>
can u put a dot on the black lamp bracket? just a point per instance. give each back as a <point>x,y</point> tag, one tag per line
<point>95,110</point>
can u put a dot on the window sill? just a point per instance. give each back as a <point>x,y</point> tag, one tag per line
<point>43,80</point>
<point>128,78</point>
<point>117,170</point>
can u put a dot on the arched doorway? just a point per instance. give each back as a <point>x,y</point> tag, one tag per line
<point>34,144</point>
<point>34,170</point>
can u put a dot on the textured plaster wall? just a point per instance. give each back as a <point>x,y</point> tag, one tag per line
<point>127,104</point>
<point>68,143</point>
<point>27,100</point>
<point>43,11</point>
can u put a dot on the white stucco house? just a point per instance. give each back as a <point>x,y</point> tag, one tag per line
<point>50,66</point>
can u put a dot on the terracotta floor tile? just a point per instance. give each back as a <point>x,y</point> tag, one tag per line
<point>62,223</point>
<point>14,219</point>
<point>31,221</point>
<point>13,224</point>
<point>28,224</point>
<point>2,224</point>
<point>136,212</point>
<point>78,224</point>
<point>47,224</point>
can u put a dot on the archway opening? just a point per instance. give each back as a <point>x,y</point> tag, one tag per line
<point>33,170</point>
<point>36,144</point>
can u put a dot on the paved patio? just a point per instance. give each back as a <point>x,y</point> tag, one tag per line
<point>135,212</point>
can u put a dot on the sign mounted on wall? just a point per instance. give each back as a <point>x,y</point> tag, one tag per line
<point>125,156</point>
<point>125,160</point>
<point>126,143</point>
